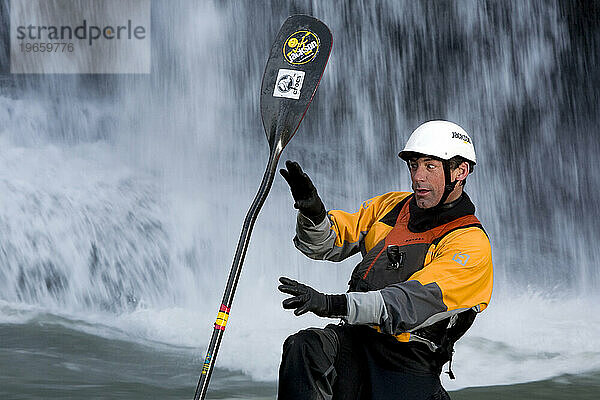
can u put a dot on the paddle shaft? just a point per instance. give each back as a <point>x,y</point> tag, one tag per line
<point>234,273</point>
<point>294,69</point>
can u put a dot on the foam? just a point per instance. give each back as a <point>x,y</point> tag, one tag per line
<point>526,338</point>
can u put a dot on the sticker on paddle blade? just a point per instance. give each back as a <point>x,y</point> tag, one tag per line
<point>289,83</point>
<point>301,47</point>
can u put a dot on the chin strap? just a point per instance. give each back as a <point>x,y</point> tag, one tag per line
<point>449,187</point>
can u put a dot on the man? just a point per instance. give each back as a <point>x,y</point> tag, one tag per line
<point>426,272</point>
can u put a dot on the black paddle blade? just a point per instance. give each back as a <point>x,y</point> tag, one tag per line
<point>296,63</point>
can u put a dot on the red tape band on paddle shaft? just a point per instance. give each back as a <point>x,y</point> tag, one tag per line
<point>222,317</point>
<point>224,308</point>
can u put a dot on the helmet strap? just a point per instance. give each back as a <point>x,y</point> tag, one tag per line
<point>448,187</point>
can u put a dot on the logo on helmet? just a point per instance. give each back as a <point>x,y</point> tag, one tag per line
<point>461,136</point>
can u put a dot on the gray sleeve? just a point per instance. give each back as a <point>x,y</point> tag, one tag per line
<point>397,308</point>
<point>366,308</point>
<point>411,305</point>
<point>318,241</point>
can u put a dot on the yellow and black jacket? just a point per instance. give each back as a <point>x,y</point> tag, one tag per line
<point>424,275</point>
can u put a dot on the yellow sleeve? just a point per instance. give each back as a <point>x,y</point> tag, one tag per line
<point>351,228</point>
<point>340,235</point>
<point>461,266</point>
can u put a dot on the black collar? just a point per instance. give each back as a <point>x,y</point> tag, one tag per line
<point>422,220</point>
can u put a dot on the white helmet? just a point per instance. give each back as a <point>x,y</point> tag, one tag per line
<point>440,139</point>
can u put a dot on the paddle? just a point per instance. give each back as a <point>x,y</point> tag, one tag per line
<point>296,63</point>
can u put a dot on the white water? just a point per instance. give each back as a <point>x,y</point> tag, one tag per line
<point>122,207</point>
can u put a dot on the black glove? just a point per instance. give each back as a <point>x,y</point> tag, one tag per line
<point>308,299</point>
<point>304,192</point>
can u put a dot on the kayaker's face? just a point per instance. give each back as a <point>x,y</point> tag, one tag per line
<point>427,176</point>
